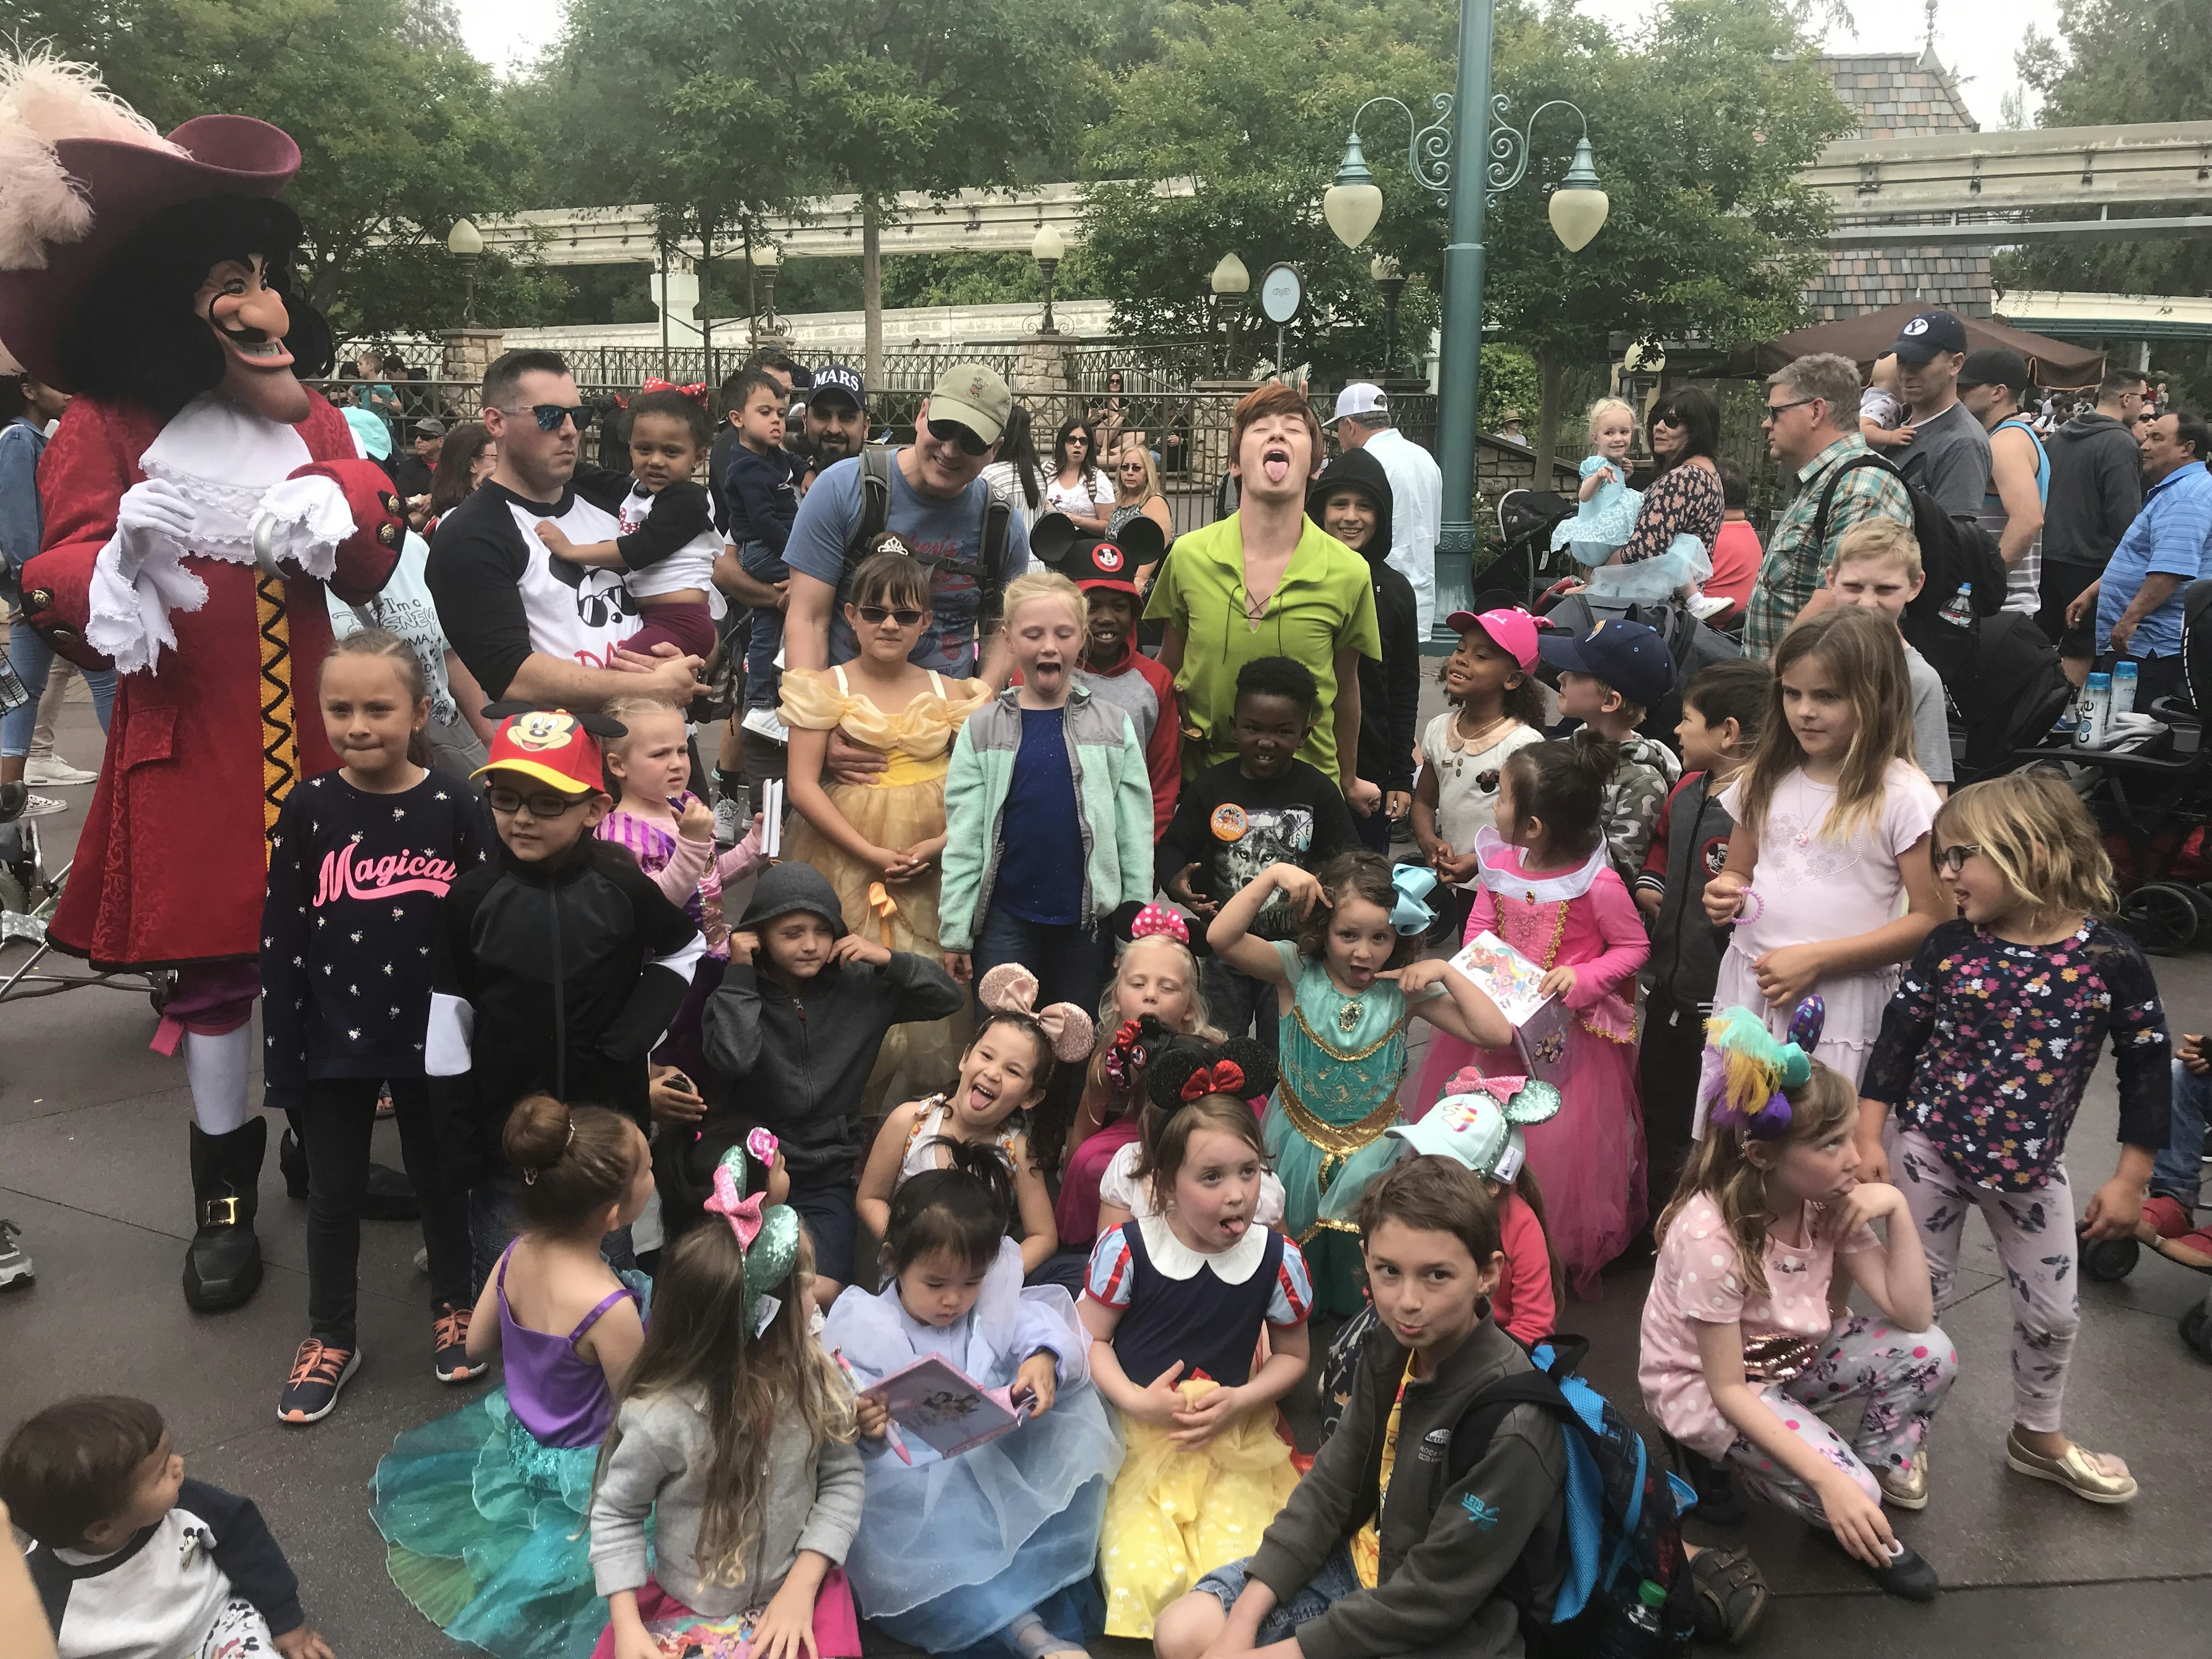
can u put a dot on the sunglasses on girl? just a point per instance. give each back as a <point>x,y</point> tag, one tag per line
<point>877,614</point>
<point>542,803</point>
<point>952,432</point>
<point>550,415</point>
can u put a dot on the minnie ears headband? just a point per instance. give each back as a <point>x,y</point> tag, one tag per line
<point>766,1233</point>
<point>1131,1049</point>
<point>1186,1069</point>
<point>1520,1100</point>
<point>1743,1076</point>
<point>1011,988</point>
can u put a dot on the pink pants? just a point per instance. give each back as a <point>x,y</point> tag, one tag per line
<point>836,1624</point>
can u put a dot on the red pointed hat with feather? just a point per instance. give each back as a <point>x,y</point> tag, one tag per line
<point>79,172</point>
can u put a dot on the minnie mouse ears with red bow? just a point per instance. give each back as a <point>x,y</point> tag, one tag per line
<point>1191,1068</point>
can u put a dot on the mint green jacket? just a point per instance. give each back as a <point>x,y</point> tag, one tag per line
<point>1113,799</point>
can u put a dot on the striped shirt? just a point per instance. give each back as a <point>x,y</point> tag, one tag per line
<point>1795,565</point>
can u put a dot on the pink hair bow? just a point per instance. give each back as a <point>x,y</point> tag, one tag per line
<point>1011,988</point>
<point>1155,919</point>
<point>1468,1080</point>
<point>743,1213</point>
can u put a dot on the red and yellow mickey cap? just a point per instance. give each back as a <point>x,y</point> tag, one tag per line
<point>554,746</point>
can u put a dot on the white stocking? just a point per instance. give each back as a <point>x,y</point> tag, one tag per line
<point>217,1067</point>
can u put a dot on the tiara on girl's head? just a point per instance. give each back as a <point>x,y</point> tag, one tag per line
<point>1011,988</point>
<point>1743,1079</point>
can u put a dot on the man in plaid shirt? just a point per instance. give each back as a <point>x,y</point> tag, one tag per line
<point>1811,429</point>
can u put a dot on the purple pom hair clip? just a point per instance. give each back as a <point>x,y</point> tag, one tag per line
<point>1742,1062</point>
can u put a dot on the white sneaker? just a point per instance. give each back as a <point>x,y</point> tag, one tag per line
<point>726,821</point>
<point>41,806</point>
<point>52,769</point>
<point>763,722</point>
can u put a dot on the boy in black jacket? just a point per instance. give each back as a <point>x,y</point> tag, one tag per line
<point>131,1558</point>
<point>1380,1550</point>
<point>795,1034</point>
<point>1351,501</point>
<point>1723,710</point>
<point>1233,820</point>
<point>557,967</point>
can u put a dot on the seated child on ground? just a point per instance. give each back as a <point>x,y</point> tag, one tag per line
<point>129,1556</point>
<point>1377,1553</point>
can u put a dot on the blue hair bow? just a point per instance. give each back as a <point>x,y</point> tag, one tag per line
<point>1411,913</point>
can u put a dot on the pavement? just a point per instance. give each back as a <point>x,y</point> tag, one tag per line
<point>92,1168</point>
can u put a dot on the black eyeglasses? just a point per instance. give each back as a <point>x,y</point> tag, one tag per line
<point>550,415</point>
<point>1952,859</point>
<point>877,614</point>
<point>1776,411</point>
<point>952,432</point>
<point>543,803</point>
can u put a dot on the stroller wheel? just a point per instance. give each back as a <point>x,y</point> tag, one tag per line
<point>2161,916</point>
<point>2108,1260</point>
<point>2197,1329</point>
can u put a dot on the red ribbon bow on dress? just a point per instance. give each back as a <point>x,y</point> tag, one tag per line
<point>696,390</point>
<point>1223,1077</point>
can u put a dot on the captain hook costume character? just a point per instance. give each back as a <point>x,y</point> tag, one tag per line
<point>197,499</point>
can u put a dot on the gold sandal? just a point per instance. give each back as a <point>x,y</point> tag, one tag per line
<point>2076,1470</point>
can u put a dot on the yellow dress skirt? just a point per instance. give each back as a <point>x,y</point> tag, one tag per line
<point>903,804</point>
<point>1173,1516</point>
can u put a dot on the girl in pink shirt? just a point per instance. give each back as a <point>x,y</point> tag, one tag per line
<point>1746,1330</point>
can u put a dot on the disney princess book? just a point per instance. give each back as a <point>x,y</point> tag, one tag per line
<point>1510,980</point>
<point>941,1405</point>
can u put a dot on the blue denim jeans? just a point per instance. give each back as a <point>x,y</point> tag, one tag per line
<point>1337,1579</point>
<point>33,660</point>
<point>763,679</point>
<point>2178,1169</point>
<point>1070,961</point>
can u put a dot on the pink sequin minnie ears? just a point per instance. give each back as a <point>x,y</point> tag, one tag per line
<point>1158,919</point>
<point>1743,1079</point>
<point>1011,988</point>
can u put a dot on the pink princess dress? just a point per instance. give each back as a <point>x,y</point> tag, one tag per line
<point>1588,1159</point>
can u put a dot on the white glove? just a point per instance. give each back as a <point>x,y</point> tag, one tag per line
<point>154,515</point>
<point>308,518</point>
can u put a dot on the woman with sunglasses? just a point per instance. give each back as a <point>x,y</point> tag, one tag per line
<point>879,841</point>
<point>1078,489</point>
<point>1669,552</point>
<point>1137,496</point>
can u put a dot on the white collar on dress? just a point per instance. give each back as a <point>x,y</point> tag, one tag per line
<point>224,459</point>
<point>1496,854</point>
<point>1176,1260</point>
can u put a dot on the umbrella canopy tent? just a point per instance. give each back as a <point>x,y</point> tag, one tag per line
<point>2059,363</point>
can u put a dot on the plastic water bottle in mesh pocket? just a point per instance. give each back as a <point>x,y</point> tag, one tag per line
<point>14,694</point>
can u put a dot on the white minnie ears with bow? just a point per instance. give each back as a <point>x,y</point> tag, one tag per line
<point>1011,988</point>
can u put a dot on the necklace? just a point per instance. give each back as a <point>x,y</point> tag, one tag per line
<point>1486,738</point>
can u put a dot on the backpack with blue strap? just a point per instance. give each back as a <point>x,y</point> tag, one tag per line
<point>1622,1507</point>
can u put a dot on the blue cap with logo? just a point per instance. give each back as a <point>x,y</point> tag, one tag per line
<point>1929,335</point>
<point>1627,656</point>
<point>837,377</point>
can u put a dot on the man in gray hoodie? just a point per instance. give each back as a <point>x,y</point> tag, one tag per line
<point>2096,490</point>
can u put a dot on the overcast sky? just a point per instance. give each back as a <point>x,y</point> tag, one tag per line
<point>504,31</point>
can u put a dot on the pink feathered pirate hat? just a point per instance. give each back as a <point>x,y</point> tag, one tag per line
<point>81,171</point>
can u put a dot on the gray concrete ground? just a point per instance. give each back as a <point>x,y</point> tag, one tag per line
<point>92,1168</point>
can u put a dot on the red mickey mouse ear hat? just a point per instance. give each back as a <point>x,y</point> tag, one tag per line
<point>81,171</point>
<point>550,746</point>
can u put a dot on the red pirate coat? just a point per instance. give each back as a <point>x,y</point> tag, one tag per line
<point>172,864</point>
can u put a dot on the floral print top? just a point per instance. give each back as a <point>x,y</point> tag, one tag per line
<point>1987,1046</point>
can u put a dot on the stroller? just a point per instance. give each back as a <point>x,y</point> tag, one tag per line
<point>1526,564</point>
<point>2152,795</point>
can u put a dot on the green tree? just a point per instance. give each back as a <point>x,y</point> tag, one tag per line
<point>767,100</point>
<point>400,131</point>
<point>2136,60</point>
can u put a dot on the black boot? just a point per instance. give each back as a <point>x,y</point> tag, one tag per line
<point>223,1268</point>
<point>389,1195</point>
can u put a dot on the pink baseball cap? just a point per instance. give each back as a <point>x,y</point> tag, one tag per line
<point>1511,630</point>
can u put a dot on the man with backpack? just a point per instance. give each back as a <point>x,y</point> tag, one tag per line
<point>1812,431</point>
<point>931,495</point>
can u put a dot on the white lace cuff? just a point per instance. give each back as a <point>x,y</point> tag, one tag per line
<point>128,622</point>
<point>308,518</point>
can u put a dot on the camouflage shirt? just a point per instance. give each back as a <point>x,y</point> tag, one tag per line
<point>1633,795</point>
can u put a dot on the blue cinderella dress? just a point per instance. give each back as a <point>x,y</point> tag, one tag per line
<point>952,1549</point>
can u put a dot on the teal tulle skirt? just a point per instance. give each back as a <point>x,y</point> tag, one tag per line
<point>484,1532</point>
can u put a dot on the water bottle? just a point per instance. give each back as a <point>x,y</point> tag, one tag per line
<point>2123,688</point>
<point>2095,712</point>
<point>1640,1632</point>
<point>1958,610</point>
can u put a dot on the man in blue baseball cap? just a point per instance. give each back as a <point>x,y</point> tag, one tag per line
<point>837,422</point>
<point>1950,456</point>
<point>1609,679</point>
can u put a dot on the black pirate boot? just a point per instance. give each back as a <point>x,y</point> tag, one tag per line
<point>223,1268</point>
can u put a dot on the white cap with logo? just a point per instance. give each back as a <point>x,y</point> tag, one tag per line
<point>1360,397</point>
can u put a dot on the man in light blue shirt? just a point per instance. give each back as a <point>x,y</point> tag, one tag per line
<point>2169,545</point>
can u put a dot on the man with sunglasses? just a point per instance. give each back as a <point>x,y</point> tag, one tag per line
<point>532,628</point>
<point>938,506</point>
<point>1811,429</point>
